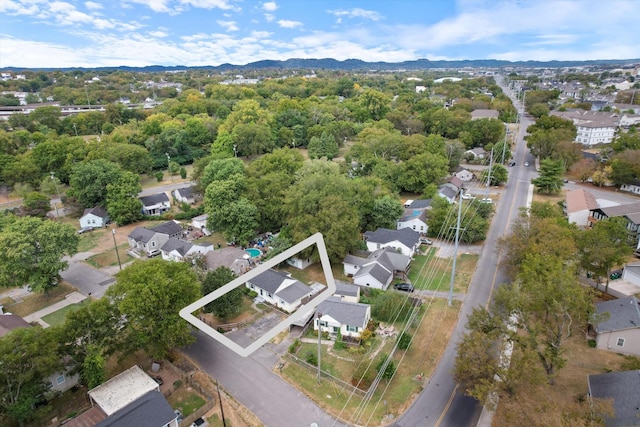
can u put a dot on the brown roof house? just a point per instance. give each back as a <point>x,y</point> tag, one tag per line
<point>578,203</point>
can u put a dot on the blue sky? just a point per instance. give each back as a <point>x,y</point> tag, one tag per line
<point>75,33</point>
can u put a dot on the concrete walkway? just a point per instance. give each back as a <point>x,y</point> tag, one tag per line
<point>72,298</point>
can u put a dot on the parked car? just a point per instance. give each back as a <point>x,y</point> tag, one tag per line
<point>486,200</point>
<point>199,422</point>
<point>426,241</point>
<point>526,163</point>
<point>84,230</point>
<point>404,287</point>
<point>468,196</point>
<point>512,163</point>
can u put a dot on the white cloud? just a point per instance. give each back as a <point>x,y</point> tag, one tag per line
<point>261,34</point>
<point>356,13</point>
<point>228,25</point>
<point>155,5</point>
<point>285,23</point>
<point>92,5</point>
<point>269,17</point>
<point>211,4</point>
<point>158,33</point>
<point>551,39</point>
<point>269,6</point>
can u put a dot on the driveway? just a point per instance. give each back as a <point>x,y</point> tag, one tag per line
<point>250,380</point>
<point>88,280</point>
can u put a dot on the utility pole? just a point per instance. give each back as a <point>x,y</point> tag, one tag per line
<point>455,250</point>
<point>319,343</point>
<point>489,174</point>
<point>113,233</point>
<point>169,166</point>
<point>55,205</point>
<point>235,150</point>
<point>75,129</point>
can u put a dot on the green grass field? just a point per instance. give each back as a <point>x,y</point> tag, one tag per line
<point>58,318</point>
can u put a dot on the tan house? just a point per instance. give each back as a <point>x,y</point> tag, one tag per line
<point>620,332</point>
<point>578,203</point>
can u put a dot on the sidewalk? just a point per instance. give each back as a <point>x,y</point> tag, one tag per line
<point>72,298</point>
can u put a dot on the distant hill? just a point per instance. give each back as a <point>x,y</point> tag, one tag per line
<point>357,64</point>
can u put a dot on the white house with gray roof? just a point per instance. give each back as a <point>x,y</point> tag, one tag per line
<point>377,269</point>
<point>94,217</point>
<point>623,388</point>
<point>349,318</point>
<point>149,241</point>
<point>176,249</point>
<point>405,240</point>
<point>347,291</point>
<point>155,204</point>
<point>621,331</point>
<point>280,289</point>
<point>185,195</point>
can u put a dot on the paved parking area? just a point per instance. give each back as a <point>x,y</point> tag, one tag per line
<point>247,335</point>
<point>88,280</point>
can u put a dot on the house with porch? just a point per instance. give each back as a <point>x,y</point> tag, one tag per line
<point>177,249</point>
<point>149,241</point>
<point>405,240</point>
<point>280,289</point>
<point>378,268</point>
<point>95,217</point>
<point>620,331</point>
<point>629,212</point>
<point>336,315</point>
<point>155,204</point>
<point>633,186</point>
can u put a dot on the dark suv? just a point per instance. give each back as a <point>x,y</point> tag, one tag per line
<point>405,287</point>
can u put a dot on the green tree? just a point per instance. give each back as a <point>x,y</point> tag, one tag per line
<point>229,304</point>
<point>220,170</point>
<point>550,179</point>
<point>604,246</point>
<point>499,175</point>
<point>238,221</point>
<point>122,203</point>
<point>387,367</point>
<point>33,251</point>
<point>36,204</point>
<point>323,146</point>
<point>251,139</point>
<point>150,295</point>
<point>89,181</point>
<point>386,211</point>
<point>94,370</point>
<point>27,356</point>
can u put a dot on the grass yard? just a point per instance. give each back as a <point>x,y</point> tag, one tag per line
<point>59,317</point>
<point>35,302</point>
<point>215,239</point>
<point>91,239</point>
<point>187,400</point>
<point>110,257</point>
<point>431,273</point>
<point>430,333</point>
<point>315,273</point>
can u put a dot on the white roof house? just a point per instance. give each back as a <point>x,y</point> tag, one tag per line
<point>110,396</point>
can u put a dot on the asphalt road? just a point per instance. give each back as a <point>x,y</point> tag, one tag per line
<point>441,403</point>
<point>251,381</point>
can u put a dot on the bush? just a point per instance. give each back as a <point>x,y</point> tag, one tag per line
<point>390,306</point>
<point>294,346</point>
<point>311,358</point>
<point>404,341</point>
<point>389,370</point>
<point>592,343</point>
<point>183,173</point>
<point>339,344</point>
<point>159,176</point>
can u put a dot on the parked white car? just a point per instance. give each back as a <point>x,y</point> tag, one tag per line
<point>486,200</point>
<point>468,196</point>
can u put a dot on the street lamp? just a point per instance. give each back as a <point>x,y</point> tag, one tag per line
<point>75,129</point>
<point>55,205</point>
<point>169,165</point>
<point>235,150</point>
<point>319,344</point>
<point>113,233</point>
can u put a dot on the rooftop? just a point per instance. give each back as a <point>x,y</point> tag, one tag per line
<point>122,389</point>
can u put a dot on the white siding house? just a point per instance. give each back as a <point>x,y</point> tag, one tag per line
<point>95,217</point>
<point>619,333</point>
<point>405,240</point>
<point>349,318</point>
<point>280,289</point>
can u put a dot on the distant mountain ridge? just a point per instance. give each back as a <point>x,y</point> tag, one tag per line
<point>354,64</point>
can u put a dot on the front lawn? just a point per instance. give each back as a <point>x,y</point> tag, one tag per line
<point>38,301</point>
<point>110,258</point>
<point>434,274</point>
<point>59,317</point>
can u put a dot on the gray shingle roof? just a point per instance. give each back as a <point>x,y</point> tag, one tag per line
<point>406,236</point>
<point>97,211</point>
<point>186,192</point>
<point>154,199</point>
<point>421,204</point>
<point>620,210</point>
<point>624,314</point>
<point>346,289</point>
<point>269,281</point>
<point>413,214</point>
<point>347,313</point>
<point>9,322</point>
<point>624,389</point>
<point>141,234</point>
<point>169,228</point>
<point>377,271</point>
<point>354,260</point>
<point>448,191</point>
<point>294,292</point>
<point>151,410</point>
<point>173,244</point>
